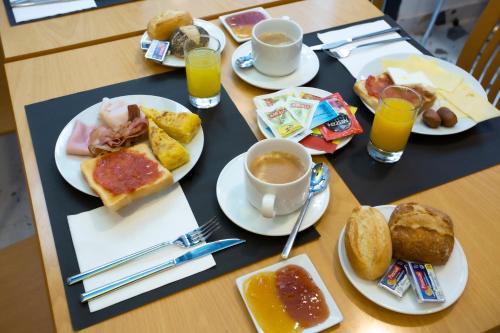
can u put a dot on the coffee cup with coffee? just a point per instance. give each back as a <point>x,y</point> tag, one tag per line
<point>276,46</point>
<point>277,173</point>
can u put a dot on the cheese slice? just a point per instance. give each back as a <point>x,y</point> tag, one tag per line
<point>469,102</point>
<point>402,77</point>
<point>440,77</point>
<point>442,101</point>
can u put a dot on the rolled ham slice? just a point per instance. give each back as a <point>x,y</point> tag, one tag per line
<point>78,143</point>
<point>114,113</point>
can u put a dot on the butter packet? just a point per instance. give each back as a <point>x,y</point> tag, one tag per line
<point>302,109</point>
<point>425,282</point>
<point>269,100</point>
<point>280,120</point>
<point>395,279</point>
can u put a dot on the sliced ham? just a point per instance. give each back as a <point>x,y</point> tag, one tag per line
<point>78,143</point>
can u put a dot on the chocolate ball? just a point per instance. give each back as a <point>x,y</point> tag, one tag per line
<point>448,117</point>
<point>431,118</point>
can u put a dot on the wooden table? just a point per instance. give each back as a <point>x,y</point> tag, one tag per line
<point>104,24</point>
<point>472,202</point>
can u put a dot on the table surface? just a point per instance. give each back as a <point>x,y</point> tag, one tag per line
<point>104,24</point>
<point>472,202</point>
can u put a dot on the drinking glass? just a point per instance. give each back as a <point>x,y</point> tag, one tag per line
<point>394,118</point>
<point>203,71</point>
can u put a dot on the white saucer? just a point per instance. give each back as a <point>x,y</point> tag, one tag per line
<point>212,29</point>
<point>231,196</point>
<point>452,278</point>
<point>308,68</point>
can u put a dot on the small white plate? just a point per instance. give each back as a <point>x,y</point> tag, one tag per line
<point>238,39</point>
<point>374,67</point>
<point>308,68</point>
<point>230,191</point>
<point>306,263</point>
<point>452,278</point>
<point>313,91</point>
<point>212,30</point>
<point>69,165</point>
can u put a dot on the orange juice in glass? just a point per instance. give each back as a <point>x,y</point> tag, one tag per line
<point>203,71</point>
<point>391,128</point>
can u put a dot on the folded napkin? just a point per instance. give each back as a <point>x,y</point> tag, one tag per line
<point>40,11</point>
<point>358,58</point>
<point>101,235</point>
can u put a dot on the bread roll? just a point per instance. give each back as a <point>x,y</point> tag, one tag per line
<point>421,233</point>
<point>163,25</point>
<point>368,243</point>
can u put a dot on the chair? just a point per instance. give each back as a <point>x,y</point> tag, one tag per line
<point>24,302</point>
<point>481,53</point>
<point>379,4</point>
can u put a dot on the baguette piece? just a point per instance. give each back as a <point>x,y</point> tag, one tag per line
<point>421,233</point>
<point>368,243</point>
<point>169,152</point>
<point>182,126</point>
<point>163,25</point>
<point>117,201</point>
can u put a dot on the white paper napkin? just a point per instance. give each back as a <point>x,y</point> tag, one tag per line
<point>101,235</point>
<point>51,9</point>
<point>358,58</point>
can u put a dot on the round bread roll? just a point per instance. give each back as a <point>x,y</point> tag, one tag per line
<point>421,233</point>
<point>368,243</point>
<point>163,25</point>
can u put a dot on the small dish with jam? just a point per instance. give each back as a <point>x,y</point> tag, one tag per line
<point>288,297</point>
<point>240,24</point>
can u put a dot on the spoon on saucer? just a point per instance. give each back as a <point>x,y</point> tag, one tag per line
<point>245,61</point>
<point>318,183</point>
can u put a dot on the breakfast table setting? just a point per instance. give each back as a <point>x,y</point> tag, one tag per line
<point>273,164</point>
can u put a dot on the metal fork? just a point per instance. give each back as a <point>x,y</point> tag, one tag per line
<point>189,239</point>
<point>346,51</point>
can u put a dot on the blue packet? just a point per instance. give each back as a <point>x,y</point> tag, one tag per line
<point>324,112</point>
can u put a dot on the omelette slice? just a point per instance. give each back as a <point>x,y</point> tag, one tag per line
<point>169,152</point>
<point>182,126</point>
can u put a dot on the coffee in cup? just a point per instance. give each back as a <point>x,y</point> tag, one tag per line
<point>276,46</point>
<point>277,167</point>
<point>277,173</point>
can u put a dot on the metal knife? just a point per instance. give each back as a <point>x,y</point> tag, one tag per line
<point>349,40</point>
<point>26,3</point>
<point>191,255</point>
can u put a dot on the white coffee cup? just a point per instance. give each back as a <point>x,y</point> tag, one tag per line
<point>277,199</point>
<point>277,60</point>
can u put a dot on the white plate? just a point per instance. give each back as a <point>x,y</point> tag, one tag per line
<point>306,263</point>
<point>313,91</point>
<point>233,202</point>
<point>212,30</point>
<point>308,68</point>
<point>452,278</point>
<point>222,19</point>
<point>69,165</point>
<point>374,67</point>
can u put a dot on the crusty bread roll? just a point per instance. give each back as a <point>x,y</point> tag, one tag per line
<point>115,202</point>
<point>368,243</point>
<point>163,25</point>
<point>421,233</point>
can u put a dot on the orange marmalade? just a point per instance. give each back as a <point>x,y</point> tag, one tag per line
<point>285,301</point>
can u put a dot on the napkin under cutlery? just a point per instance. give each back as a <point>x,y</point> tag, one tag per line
<point>101,235</point>
<point>358,58</point>
<point>34,12</point>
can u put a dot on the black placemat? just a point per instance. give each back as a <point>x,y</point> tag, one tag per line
<point>428,161</point>
<point>99,3</point>
<point>226,136</point>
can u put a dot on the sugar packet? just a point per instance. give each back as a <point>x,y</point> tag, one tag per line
<point>268,100</point>
<point>302,109</point>
<point>280,120</point>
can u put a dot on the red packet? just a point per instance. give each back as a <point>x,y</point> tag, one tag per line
<point>316,141</point>
<point>345,124</point>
